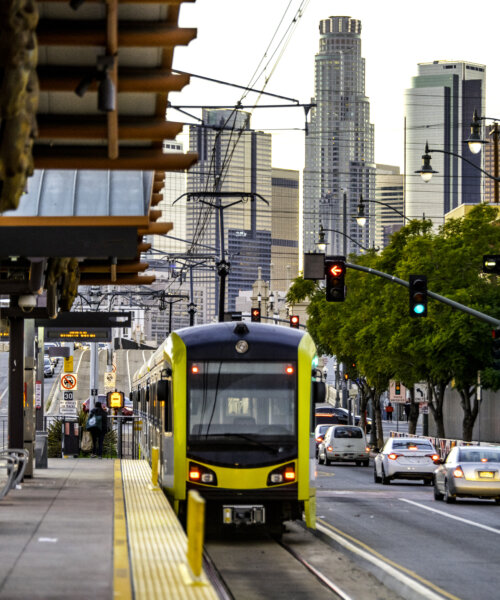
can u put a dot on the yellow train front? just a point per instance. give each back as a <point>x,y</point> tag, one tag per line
<point>229,406</point>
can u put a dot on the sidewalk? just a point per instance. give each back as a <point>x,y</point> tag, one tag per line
<point>56,537</point>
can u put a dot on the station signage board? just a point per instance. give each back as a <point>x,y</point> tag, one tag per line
<point>81,334</point>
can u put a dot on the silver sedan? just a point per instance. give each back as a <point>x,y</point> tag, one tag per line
<point>405,458</point>
<point>469,471</point>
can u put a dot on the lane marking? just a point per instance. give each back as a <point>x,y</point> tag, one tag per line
<point>444,514</point>
<point>122,584</point>
<point>402,574</point>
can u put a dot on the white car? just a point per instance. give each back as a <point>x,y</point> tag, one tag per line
<point>344,443</point>
<point>405,458</point>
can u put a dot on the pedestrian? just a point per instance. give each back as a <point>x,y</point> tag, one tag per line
<point>407,410</point>
<point>389,410</point>
<point>97,424</point>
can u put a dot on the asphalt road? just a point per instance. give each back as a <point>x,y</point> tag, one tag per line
<point>450,550</point>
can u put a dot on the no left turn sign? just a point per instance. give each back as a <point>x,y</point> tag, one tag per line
<point>68,382</point>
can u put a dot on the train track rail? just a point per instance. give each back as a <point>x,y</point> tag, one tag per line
<point>248,566</point>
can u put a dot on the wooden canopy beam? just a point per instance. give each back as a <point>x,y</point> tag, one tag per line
<point>89,157</point>
<point>90,279</point>
<point>133,80</point>
<point>136,34</point>
<point>70,127</point>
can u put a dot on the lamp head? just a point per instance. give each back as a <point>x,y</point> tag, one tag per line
<point>321,243</point>
<point>361,218</point>
<point>475,141</point>
<point>426,172</point>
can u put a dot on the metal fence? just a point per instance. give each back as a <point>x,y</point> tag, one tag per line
<point>122,440</point>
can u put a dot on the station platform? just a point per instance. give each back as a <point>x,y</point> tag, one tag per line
<point>92,528</point>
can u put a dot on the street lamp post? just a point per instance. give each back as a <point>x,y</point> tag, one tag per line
<point>361,217</point>
<point>475,143</point>
<point>321,243</point>
<point>426,171</point>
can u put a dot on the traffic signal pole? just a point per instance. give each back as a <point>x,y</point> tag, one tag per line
<point>475,313</point>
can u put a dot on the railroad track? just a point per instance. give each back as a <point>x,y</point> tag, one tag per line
<point>250,566</point>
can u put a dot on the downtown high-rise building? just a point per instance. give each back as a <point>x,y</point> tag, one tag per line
<point>389,205</point>
<point>230,219</point>
<point>339,163</point>
<point>439,108</point>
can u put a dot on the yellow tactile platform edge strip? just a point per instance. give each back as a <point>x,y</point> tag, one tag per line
<point>122,585</point>
<point>157,541</point>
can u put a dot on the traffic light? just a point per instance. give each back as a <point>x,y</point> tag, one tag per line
<point>418,295</point>
<point>495,349</point>
<point>295,321</point>
<point>335,284</point>
<point>491,263</point>
<point>255,315</point>
<point>397,388</point>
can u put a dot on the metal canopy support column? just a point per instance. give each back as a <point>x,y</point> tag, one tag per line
<point>16,382</point>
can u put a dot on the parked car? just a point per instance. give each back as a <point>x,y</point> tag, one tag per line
<point>468,472</point>
<point>48,367</point>
<point>344,443</point>
<point>405,458</point>
<point>319,434</point>
<point>100,398</point>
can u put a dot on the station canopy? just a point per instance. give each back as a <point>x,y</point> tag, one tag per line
<point>83,100</point>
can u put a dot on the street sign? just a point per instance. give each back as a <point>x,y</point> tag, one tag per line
<point>110,379</point>
<point>69,382</point>
<point>421,392</point>
<point>397,392</point>
<point>68,364</point>
<point>38,394</point>
<point>68,408</point>
<point>68,405</point>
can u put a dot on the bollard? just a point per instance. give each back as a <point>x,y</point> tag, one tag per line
<point>154,468</point>
<point>195,532</point>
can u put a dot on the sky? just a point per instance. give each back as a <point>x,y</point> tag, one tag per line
<point>233,36</point>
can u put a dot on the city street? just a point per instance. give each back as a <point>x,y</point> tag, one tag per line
<point>402,527</point>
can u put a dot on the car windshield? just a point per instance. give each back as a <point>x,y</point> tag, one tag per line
<point>479,455</point>
<point>411,445</point>
<point>348,432</point>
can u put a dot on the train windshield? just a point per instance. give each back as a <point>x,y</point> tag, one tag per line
<point>243,399</point>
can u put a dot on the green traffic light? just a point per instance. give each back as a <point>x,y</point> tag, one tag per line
<point>418,309</point>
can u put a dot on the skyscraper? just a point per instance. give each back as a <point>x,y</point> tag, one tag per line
<point>389,192</point>
<point>439,107</point>
<point>340,142</point>
<point>285,228</point>
<point>233,159</point>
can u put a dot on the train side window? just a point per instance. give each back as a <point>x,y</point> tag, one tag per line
<point>164,390</point>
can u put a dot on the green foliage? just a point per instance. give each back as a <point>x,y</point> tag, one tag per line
<point>54,435</point>
<point>373,326</point>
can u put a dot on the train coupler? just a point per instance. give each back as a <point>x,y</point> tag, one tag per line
<point>243,515</point>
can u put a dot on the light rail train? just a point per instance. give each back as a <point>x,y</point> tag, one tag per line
<point>229,407</point>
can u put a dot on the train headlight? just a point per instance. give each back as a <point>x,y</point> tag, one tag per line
<point>200,474</point>
<point>283,474</point>
<point>241,346</point>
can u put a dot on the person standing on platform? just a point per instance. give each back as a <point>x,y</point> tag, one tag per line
<point>97,424</point>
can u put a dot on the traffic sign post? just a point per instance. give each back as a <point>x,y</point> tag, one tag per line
<point>69,382</point>
<point>421,392</point>
<point>110,380</point>
<point>67,406</point>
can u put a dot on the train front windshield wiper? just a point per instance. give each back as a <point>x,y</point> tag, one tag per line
<point>251,439</point>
